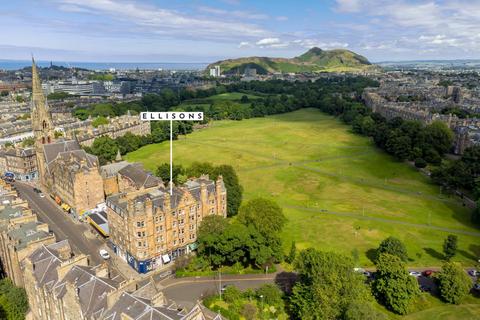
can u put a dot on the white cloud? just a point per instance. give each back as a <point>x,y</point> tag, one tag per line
<point>268,41</point>
<point>165,21</point>
<point>234,13</point>
<point>281,18</point>
<point>348,5</point>
<point>244,44</point>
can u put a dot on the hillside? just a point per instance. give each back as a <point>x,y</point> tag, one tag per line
<point>314,60</point>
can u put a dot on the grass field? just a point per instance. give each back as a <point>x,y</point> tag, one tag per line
<point>337,190</point>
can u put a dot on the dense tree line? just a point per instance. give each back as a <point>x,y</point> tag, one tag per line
<point>328,288</point>
<point>249,240</point>
<point>106,148</point>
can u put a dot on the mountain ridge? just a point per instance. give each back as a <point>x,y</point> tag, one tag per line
<point>314,60</point>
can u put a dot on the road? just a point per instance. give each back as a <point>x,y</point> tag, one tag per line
<point>61,224</point>
<point>188,291</point>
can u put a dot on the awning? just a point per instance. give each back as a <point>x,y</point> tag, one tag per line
<point>166,258</point>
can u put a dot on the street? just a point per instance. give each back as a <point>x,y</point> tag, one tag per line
<point>61,224</point>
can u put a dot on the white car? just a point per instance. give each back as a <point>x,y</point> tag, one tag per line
<point>474,273</point>
<point>415,274</point>
<point>41,195</point>
<point>104,254</point>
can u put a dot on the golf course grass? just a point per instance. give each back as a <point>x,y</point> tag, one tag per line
<point>338,191</point>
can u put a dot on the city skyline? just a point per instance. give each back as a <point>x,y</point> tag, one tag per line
<point>207,30</point>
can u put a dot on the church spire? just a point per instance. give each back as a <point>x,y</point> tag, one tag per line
<point>38,98</point>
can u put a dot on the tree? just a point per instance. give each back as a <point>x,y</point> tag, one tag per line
<point>454,284</point>
<point>232,294</point>
<point>393,246</point>
<point>327,286</point>
<point>271,295</point>
<point>58,134</point>
<point>450,246</point>
<point>13,301</point>
<point>439,136</point>
<point>81,114</point>
<point>28,142</point>
<point>363,311</point>
<point>163,171</point>
<point>99,121</point>
<point>420,163</point>
<point>293,252</point>
<point>105,148</point>
<point>393,286</point>
<point>244,99</point>
<point>249,311</point>
<point>232,184</point>
<point>265,215</point>
<point>476,214</point>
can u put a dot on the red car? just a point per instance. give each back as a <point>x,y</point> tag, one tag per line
<point>427,273</point>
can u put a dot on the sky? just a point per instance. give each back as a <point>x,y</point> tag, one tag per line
<point>209,30</point>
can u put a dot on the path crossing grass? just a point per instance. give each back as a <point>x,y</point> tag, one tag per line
<point>313,166</point>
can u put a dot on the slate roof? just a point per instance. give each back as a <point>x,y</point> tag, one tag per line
<point>110,170</point>
<point>26,233</point>
<point>140,309</point>
<point>45,262</point>
<point>91,290</point>
<point>139,176</point>
<point>51,150</point>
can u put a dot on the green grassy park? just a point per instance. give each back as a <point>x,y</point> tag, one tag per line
<point>338,191</point>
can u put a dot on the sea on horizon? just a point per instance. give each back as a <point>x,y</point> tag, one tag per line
<point>20,64</point>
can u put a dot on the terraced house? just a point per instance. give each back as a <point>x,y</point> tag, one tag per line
<point>149,227</point>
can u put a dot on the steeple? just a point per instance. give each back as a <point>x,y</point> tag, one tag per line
<point>38,98</point>
<point>42,123</point>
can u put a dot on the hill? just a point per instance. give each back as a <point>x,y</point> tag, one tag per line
<point>314,60</point>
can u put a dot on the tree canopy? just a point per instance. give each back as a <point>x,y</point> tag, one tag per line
<point>453,282</point>
<point>393,246</point>
<point>327,286</point>
<point>393,286</point>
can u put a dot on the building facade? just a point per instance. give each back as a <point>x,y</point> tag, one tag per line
<point>149,227</point>
<point>66,171</point>
<point>21,163</point>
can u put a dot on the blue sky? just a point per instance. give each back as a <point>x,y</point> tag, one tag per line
<point>207,30</point>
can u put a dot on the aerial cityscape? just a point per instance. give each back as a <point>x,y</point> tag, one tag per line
<point>237,159</point>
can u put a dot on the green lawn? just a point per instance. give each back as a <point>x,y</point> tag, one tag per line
<point>338,191</point>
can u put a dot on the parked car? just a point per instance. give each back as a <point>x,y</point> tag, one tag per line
<point>104,254</point>
<point>474,273</point>
<point>415,274</point>
<point>476,286</point>
<point>427,273</point>
<point>37,190</point>
<point>41,195</point>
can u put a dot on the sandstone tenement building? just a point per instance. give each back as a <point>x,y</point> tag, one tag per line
<point>149,227</point>
<point>63,286</point>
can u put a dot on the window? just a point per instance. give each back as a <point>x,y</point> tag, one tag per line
<point>139,244</point>
<point>140,224</point>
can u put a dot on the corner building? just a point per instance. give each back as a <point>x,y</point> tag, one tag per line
<point>149,227</point>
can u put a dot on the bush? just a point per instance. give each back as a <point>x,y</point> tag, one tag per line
<point>420,163</point>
